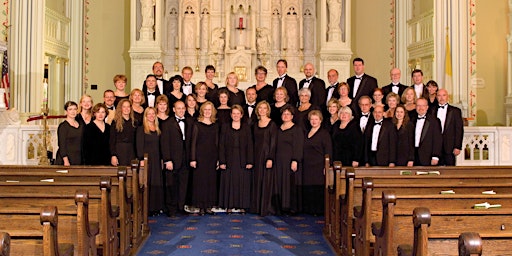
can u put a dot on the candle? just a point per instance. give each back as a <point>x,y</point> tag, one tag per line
<point>241,23</point>
<point>45,92</point>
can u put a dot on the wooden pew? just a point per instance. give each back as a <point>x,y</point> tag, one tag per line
<point>333,188</point>
<point>362,220</point>
<point>383,231</point>
<point>470,243</point>
<point>421,220</point>
<point>35,233</point>
<point>125,182</point>
<point>5,244</point>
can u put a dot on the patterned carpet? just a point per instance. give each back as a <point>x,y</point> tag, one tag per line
<point>236,234</point>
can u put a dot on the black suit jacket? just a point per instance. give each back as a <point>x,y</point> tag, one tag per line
<point>172,146</point>
<point>389,88</point>
<point>335,93</point>
<point>424,94</point>
<point>291,87</point>
<point>145,91</point>
<point>317,88</point>
<point>386,143</point>
<point>357,120</point>
<point>430,140</point>
<point>453,131</point>
<point>167,86</point>
<point>366,87</point>
<point>250,120</point>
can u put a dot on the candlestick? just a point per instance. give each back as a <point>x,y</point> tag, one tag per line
<point>45,92</point>
<point>241,23</point>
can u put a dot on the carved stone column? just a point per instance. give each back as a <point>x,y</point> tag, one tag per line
<point>145,46</point>
<point>335,37</point>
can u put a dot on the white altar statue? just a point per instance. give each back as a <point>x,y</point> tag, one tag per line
<point>217,43</point>
<point>263,40</point>
<point>147,13</point>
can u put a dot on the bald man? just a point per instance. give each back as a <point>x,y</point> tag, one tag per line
<point>452,128</point>
<point>395,85</point>
<point>314,84</point>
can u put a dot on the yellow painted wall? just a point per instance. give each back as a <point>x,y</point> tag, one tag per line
<point>57,5</point>
<point>108,44</point>
<point>371,37</point>
<point>491,46</point>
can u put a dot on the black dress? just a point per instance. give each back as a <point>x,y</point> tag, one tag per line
<point>301,118</point>
<point>223,116</point>
<point>275,114</point>
<point>235,151</point>
<point>347,144</point>
<point>313,178</point>
<point>405,144</point>
<point>96,145</point>
<point>289,147</point>
<point>122,144</point>
<point>263,178</point>
<point>236,98</point>
<point>70,143</point>
<point>265,93</point>
<point>213,95</point>
<point>139,117</point>
<point>119,98</point>
<point>173,99</point>
<point>204,150</point>
<point>150,144</point>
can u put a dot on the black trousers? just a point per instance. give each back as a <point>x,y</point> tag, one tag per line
<point>176,185</point>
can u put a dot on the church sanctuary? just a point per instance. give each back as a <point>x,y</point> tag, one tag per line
<point>271,127</point>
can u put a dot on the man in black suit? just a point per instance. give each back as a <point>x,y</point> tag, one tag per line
<point>175,139</point>
<point>395,85</point>
<point>188,87</point>
<point>164,87</point>
<point>452,128</point>
<point>361,84</point>
<point>250,114</point>
<point>286,81</point>
<point>418,86</point>
<point>427,136</point>
<point>363,118</point>
<point>314,84</point>
<point>151,91</point>
<point>332,90</point>
<point>380,140</point>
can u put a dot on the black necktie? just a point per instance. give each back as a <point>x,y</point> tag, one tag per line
<point>332,87</point>
<point>358,78</point>
<point>378,123</point>
<point>395,85</point>
<point>422,117</point>
<point>363,115</point>
<point>187,85</point>
<point>110,108</point>
<point>308,81</point>
<point>441,106</point>
<point>151,93</point>
<point>281,78</point>
<point>180,120</point>
<point>251,106</point>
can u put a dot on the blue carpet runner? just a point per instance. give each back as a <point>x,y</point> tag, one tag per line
<point>236,234</point>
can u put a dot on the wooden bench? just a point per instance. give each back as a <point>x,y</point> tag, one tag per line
<point>128,192</point>
<point>35,233</point>
<point>5,244</point>
<point>15,196</point>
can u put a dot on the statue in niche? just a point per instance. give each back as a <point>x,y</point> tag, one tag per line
<point>263,40</point>
<point>217,43</point>
<point>189,29</point>
<point>334,14</point>
<point>147,11</point>
<point>291,30</point>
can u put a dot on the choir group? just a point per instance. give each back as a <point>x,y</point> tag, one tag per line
<point>262,151</point>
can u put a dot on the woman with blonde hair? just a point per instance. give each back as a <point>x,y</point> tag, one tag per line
<point>409,101</point>
<point>265,131</point>
<point>204,159</point>
<point>333,106</point>
<point>392,101</point>
<point>122,135</point>
<point>236,96</point>
<point>281,99</point>
<point>201,90</point>
<point>148,142</point>
<point>347,139</point>
<point>85,110</point>
<point>137,99</point>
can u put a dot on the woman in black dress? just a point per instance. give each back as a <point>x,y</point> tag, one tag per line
<point>84,115</point>
<point>236,96</point>
<point>333,106</point>
<point>316,145</point>
<point>263,90</point>
<point>263,188</point>
<point>69,135</point>
<point>405,137</point>
<point>223,110</point>
<point>409,100</point>
<point>235,163</point>
<point>162,109</point>
<point>212,88</point>
<point>148,142</point>
<point>281,98</point>
<point>288,171</point>
<point>201,90</point>
<point>192,108</point>
<point>432,89</point>
<point>176,93</point>
<point>137,99</point>
<point>305,107</point>
<point>96,138</point>
<point>347,139</point>
<point>120,84</point>
<point>122,135</point>
<point>204,158</point>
